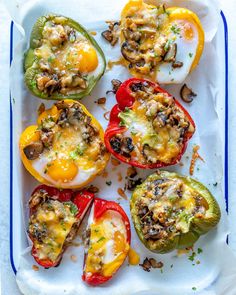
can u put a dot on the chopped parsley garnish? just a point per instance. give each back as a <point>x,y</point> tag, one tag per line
<point>79,151</point>
<point>51,58</point>
<point>199,251</point>
<point>175,29</point>
<point>190,55</point>
<point>192,256</point>
<point>194,288</point>
<point>73,208</point>
<point>101,239</point>
<point>167,45</point>
<point>215,184</point>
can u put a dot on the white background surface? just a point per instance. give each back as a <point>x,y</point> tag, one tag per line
<point>8,280</point>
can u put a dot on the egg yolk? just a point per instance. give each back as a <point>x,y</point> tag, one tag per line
<point>134,257</point>
<point>62,170</point>
<point>84,57</point>
<point>120,242</point>
<point>188,32</point>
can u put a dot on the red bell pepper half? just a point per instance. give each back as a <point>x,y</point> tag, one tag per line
<point>107,241</point>
<point>148,127</point>
<point>47,206</point>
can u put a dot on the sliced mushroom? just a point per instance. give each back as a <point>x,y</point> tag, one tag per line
<point>88,135</point>
<point>159,121</point>
<point>79,81</point>
<point>41,82</point>
<point>61,105</point>
<point>111,35</point>
<point>86,237</point>
<point>177,64</point>
<point>187,94</point>
<point>93,189</point>
<point>70,237</point>
<point>37,198</point>
<point>149,154</point>
<point>47,138</point>
<point>155,264</point>
<point>115,86</point>
<point>139,86</point>
<point>51,86</point>
<point>130,35</point>
<point>129,53</point>
<point>132,183</point>
<point>146,265</point>
<point>66,81</point>
<point>115,143</point>
<point>33,150</point>
<point>101,100</point>
<point>127,146</point>
<point>171,53</point>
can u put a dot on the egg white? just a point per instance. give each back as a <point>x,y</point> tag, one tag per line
<point>82,176</point>
<point>186,52</point>
<point>111,225</point>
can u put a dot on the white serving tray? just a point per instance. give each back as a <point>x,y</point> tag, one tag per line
<point>183,276</point>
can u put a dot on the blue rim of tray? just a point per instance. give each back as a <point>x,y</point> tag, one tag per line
<point>225,148</point>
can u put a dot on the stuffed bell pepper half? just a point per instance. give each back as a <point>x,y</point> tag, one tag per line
<point>159,43</point>
<point>63,61</point>
<point>148,128</point>
<point>55,216</point>
<point>107,241</point>
<point>65,149</point>
<point>170,211</point>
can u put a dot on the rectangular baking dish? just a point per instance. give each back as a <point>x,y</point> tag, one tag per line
<point>18,238</point>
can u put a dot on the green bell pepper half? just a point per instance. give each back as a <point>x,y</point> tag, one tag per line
<point>31,60</point>
<point>196,227</point>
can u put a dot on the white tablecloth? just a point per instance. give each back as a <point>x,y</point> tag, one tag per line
<point>9,286</point>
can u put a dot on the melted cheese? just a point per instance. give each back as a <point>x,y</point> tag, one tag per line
<point>54,220</point>
<point>79,55</point>
<point>69,161</point>
<point>160,27</point>
<point>162,140</point>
